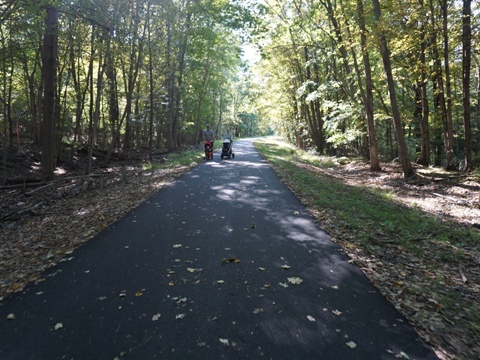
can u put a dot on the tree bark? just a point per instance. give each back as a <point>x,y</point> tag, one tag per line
<point>96,112</point>
<point>49,75</point>
<point>368,98</point>
<point>150,80</point>
<point>466,64</point>
<point>350,90</point>
<point>448,122</point>
<point>397,121</point>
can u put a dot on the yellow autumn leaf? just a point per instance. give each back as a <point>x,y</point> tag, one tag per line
<point>295,280</point>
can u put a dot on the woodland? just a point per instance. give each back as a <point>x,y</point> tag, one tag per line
<point>388,81</point>
<point>90,91</point>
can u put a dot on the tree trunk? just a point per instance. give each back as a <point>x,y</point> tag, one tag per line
<point>49,76</point>
<point>96,112</point>
<point>448,122</point>
<point>477,90</point>
<point>135,62</point>
<point>177,89</point>
<point>341,46</point>
<point>466,64</point>
<point>151,87</point>
<point>397,121</point>
<point>368,98</point>
<point>424,125</point>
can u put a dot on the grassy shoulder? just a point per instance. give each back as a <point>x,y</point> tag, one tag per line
<point>427,267</point>
<point>186,158</point>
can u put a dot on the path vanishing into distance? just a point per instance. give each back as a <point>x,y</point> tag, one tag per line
<point>224,264</point>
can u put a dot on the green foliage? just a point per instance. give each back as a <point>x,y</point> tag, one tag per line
<point>190,49</point>
<point>311,55</point>
<point>364,211</point>
<point>174,160</point>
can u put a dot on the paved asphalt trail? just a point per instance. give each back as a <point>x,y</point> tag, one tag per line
<point>165,258</point>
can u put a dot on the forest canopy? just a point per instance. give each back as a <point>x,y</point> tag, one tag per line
<point>120,74</point>
<point>387,81</point>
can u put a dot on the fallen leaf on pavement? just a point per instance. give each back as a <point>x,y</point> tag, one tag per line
<point>58,326</point>
<point>295,280</point>
<point>336,312</point>
<point>179,300</point>
<point>180,316</point>
<point>231,259</point>
<point>11,317</point>
<point>286,267</point>
<point>156,317</point>
<point>351,345</point>
<point>311,318</point>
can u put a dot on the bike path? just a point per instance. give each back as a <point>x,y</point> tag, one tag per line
<point>201,271</point>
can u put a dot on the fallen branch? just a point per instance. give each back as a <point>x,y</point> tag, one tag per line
<point>34,184</point>
<point>31,192</point>
<point>22,185</point>
<point>30,208</point>
<point>20,212</point>
<point>459,202</point>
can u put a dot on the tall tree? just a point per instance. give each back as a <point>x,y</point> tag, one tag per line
<point>421,104</point>
<point>49,72</point>
<point>466,64</point>
<point>448,113</point>
<point>397,121</point>
<point>368,97</point>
